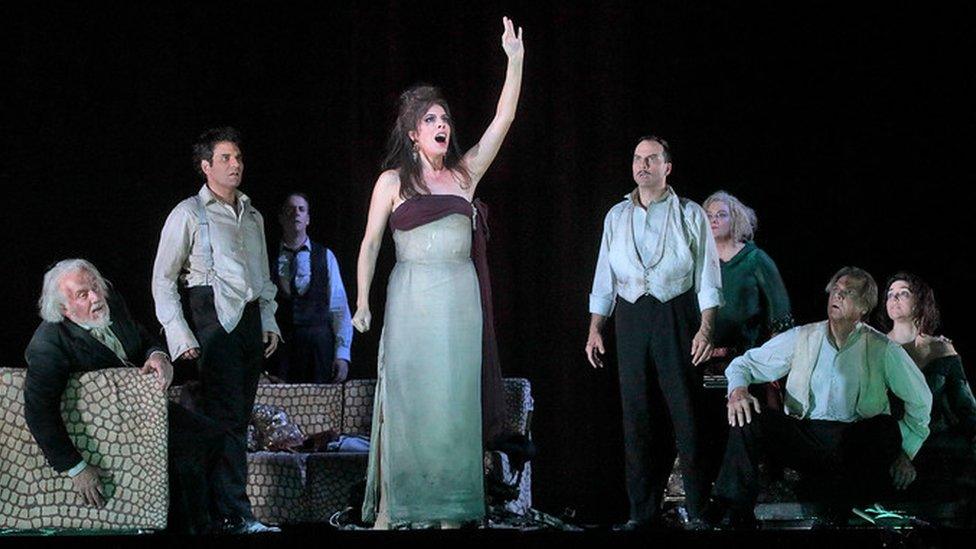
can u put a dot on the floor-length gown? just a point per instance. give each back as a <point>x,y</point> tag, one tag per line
<point>426,443</point>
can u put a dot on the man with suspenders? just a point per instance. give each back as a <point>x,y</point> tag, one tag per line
<point>212,259</point>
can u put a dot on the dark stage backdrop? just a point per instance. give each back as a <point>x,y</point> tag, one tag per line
<point>848,132</point>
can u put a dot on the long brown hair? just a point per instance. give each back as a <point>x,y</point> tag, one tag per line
<point>400,148</point>
<point>925,313</point>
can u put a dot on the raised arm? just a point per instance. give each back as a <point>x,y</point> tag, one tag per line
<point>480,157</point>
<point>380,206</point>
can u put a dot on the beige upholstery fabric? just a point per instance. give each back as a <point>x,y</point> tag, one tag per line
<point>314,408</point>
<point>518,419</point>
<point>117,420</point>
<point>357,413</point>
<point>294,487</point>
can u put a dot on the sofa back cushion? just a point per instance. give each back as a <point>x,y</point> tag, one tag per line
<point>117,420</point>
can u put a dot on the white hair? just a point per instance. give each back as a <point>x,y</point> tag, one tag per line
<point>52,301</point>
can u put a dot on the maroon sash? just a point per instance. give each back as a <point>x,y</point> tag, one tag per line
<point>422,209</point>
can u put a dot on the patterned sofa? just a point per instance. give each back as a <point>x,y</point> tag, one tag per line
<point>288,488</point>
<point>117,419</point>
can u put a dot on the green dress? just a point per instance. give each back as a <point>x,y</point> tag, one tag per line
<point>756,303</point>
<point>426,449</point>
<point>953,404</point>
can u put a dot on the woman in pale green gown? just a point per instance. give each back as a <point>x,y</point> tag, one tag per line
<point>425,461</point>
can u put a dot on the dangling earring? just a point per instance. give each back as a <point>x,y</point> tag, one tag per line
<point>414,153</point>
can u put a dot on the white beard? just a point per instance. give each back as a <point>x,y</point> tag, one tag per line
<point>101,322</point>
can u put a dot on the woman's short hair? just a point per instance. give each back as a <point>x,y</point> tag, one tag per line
<point>51,303</point>
<point>867,295</point>
<point>743,218</point>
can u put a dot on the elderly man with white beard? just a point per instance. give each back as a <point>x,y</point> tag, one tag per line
<point>86,327</point>
<point>836,426</point>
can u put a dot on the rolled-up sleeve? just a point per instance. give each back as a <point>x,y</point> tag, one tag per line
<point>763,364</point>
<point>907,382</point>
<point>604,290</point>
<point>175,242</point>
<point>708,271</point>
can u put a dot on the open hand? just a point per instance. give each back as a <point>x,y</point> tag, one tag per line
<point>270,343</point>
<point>511,42</point>
<point>88,483</point>
<point>740,407</point>
<point>701,347</point>
<point>594,348</point>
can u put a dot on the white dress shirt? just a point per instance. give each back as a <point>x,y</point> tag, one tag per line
<point>662,251</point>
<point>240,271</point>
<point>301,260</point>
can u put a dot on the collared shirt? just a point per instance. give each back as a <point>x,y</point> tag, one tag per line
<point>834,383</point>
<point>299,262</point>
<point>841,384</point>
<point>107,337</point>
<point>240,272</point>
<point>663,252</point>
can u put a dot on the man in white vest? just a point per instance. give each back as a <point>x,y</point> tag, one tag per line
<point>658,270</point>
<point>837,423</point>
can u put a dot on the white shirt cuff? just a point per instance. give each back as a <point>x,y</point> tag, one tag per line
<point>600,305</point>
<point>77,469</point>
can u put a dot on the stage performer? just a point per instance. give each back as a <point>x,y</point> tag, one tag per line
<point>837,424</point>
<point>87,327</point>
<point>912,317</point>
<point>313,311</point>
<point>439,392</point>
<point>213,261</point>
<point>756,304</point>
<point>659,269</point>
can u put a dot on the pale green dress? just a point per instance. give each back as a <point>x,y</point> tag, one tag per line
<point>426,448</point>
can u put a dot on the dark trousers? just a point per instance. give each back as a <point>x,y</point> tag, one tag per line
<point>307,354</point>
<point>661,393</point>
<point>847,462</point>
<point>196,445</point>
<point>229,368</point>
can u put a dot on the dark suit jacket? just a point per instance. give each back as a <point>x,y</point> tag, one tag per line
<point>59,349</point>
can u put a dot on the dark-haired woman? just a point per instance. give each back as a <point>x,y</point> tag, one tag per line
<point>438,393</point>
<point>913,317</point>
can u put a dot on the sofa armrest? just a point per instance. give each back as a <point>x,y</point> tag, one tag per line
<point>518,405</point>
<point>117,419</point>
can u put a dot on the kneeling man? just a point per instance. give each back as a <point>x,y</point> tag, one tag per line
<point>837,423</point>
